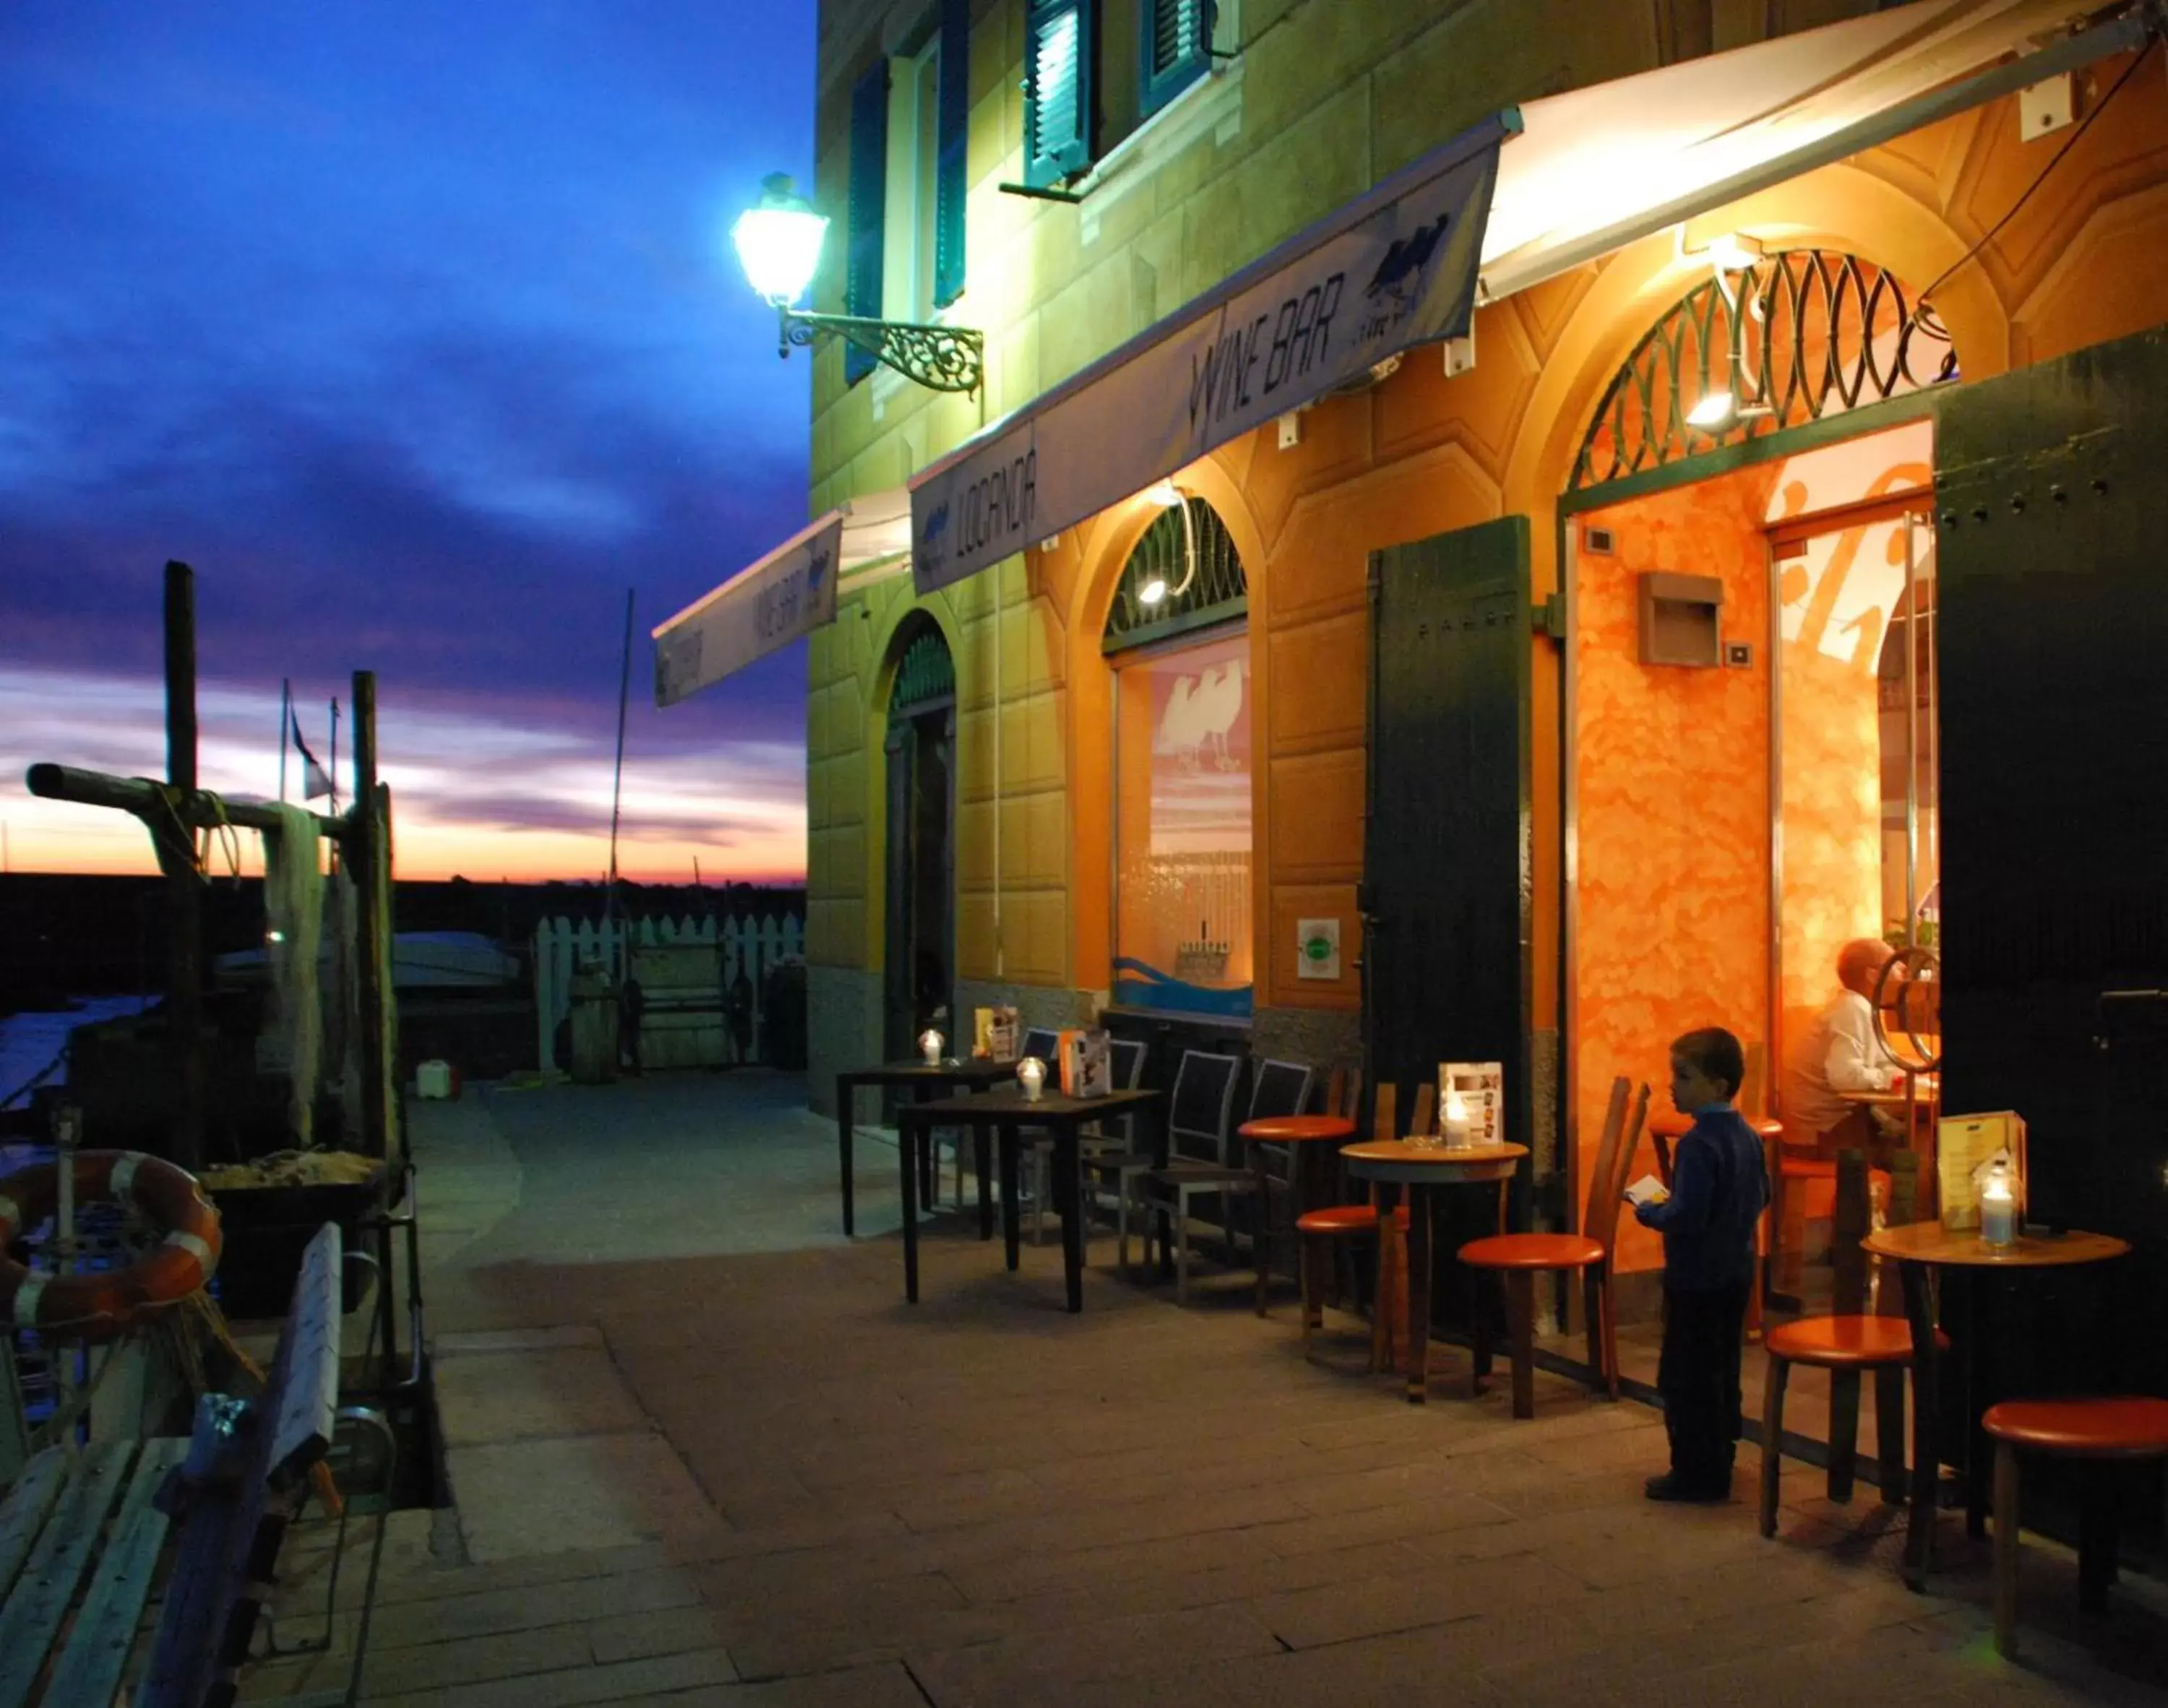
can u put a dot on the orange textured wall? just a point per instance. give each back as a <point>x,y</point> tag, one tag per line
<point>1672,769</point>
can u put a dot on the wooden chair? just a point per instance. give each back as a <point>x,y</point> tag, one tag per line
<point>1518,1258</point>
<point>1322,1230</point>
<point>1849,1343</point>
<point>1200,1138</point>
<point>2104,1431</point>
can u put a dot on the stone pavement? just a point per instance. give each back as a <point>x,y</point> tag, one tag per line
<point>703,1453</point>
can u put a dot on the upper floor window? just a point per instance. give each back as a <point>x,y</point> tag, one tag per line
<point>910,118</point>
<point>1096,70</point>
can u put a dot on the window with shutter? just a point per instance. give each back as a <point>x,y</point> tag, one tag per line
<point>1176,49</point>
<point>952,185</point>
<point>1057,99</point>
<point>862,282</point>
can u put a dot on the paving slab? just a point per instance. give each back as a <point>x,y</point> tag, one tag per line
<point>561,1494</point>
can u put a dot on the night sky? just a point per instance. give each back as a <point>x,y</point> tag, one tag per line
<point>412,325</point>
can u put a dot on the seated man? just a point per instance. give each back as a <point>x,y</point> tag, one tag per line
<point>1838,1058</point>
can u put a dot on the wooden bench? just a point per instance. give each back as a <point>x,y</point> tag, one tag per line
<point>82,1533</point>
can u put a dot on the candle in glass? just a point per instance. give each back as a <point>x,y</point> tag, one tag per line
<point>1998,1209</point>
<point>1031,1074</point>
<point>1455,1123</point>
<point>930,1043</point>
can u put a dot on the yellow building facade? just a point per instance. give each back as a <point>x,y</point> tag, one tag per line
<point>1306,104</point>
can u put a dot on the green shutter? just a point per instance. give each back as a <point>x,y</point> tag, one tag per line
<point>1057,89</point>
<point>862,285</point>
<point>1176,43</point>
<point>951,178</point>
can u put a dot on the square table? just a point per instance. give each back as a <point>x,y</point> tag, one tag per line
<point>1007,1111</point>
<point>926,1078</point>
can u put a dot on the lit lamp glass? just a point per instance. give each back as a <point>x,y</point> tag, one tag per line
<point>1714,410</point>
<point>779,241</point>
<point>1998,1208</point>
<point>1455,1123</point>
<point>1031,1075</point>
<point>929,1046</point>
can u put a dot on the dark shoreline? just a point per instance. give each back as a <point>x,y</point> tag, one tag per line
<point>64,935</point>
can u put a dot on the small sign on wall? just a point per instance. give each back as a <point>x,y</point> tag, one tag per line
<point>1317,948</point>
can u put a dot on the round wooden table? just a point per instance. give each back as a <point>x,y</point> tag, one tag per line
<point>1920,1249</point>
<point>1304,1136</point>
<point>1421,1169</point>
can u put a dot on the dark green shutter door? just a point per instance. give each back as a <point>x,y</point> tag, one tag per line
<point>2052,621</point>
<point>1176,40</point>
<point>868,203</point>
<point>1057,90</point>
<point>951,182</point>
<point>1446,898</point>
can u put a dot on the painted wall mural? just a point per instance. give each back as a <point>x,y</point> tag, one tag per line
<point>1183,835</point>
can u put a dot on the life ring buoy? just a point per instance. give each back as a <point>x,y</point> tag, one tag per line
<point>102,1302</point>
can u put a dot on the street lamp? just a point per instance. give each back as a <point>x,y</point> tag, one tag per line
<point>779,241</point>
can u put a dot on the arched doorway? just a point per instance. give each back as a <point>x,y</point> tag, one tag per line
<point>1751,769</point>
<point>920,976</point>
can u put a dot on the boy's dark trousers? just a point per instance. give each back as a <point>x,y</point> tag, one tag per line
<point>1698,1378</point>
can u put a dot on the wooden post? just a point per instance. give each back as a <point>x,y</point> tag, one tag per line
<point>369,923</point>
<point>184,886</point>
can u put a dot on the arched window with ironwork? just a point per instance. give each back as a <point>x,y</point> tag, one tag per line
<point>1766,342</point>
<point>1177,636</point>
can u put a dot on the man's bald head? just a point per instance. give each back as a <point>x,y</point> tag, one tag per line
<point>1860,961</point>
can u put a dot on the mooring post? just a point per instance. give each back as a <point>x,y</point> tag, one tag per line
<point>184,883</point>
<point>369,923</point>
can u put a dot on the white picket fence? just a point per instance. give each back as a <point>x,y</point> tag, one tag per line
<point>746,947</point>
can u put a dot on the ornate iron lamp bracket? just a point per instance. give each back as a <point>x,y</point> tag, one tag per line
<point>942,359</point>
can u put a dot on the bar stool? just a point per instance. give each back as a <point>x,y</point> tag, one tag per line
<point>1848,1345</point>
<point>2102,1430</point>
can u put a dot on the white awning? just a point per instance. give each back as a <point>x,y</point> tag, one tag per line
<point>1599,168</point>
<point>1591,171</point>
<point>769,603</point>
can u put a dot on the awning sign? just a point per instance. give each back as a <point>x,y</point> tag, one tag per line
<point>1394,269</point>
<point>788,593</point>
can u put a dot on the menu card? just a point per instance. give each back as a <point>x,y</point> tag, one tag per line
<point>1087,1063</point>
<point>1966,1148</point>
<point>1482,1088</point>
<point>994,1034</point>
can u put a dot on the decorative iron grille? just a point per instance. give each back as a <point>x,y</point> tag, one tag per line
<point>1802,335</point>
<point>1220,587</point>
<point>925,677</point>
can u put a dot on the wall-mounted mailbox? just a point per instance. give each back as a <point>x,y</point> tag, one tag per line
<point>1679,619</point>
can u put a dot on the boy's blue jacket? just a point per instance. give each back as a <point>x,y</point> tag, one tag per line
<point>1720,1183</point>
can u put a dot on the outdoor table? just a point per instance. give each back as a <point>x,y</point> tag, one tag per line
<point>1919,1249</point>
<point>1305,1136</point>
<point>925,1078</point>
<point>1007,1111</point>
<point>1421,1169</point>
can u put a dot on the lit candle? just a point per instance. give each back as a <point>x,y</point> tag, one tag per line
<point>1031,1074</point>
<point>1998,1209</point>
<point>930,1042</point>
<point>1456,1122</point>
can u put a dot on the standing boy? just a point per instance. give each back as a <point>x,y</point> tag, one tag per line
<point>1720,1183</point>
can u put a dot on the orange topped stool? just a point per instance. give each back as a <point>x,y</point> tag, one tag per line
<point>2102,1430</point>
<point>1846,1344</point>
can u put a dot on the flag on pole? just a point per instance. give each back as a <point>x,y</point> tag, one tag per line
<point>315,779</point>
